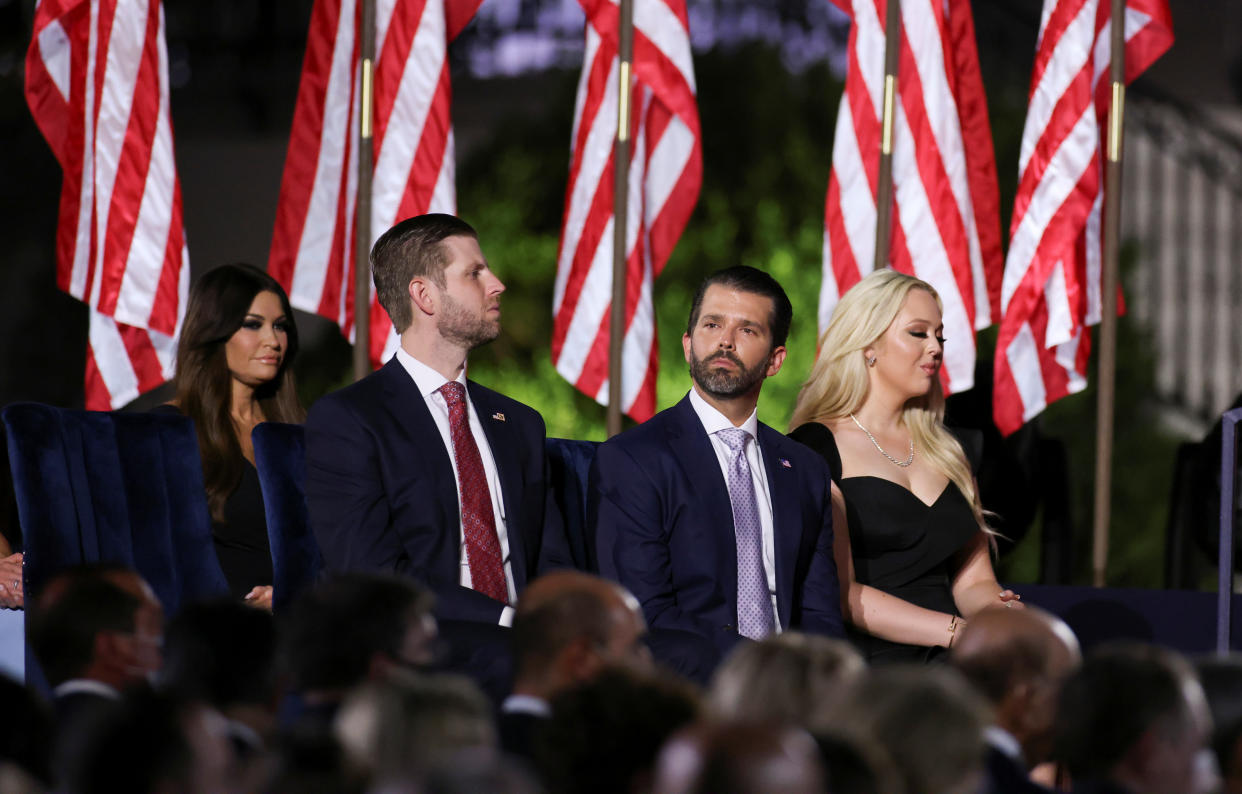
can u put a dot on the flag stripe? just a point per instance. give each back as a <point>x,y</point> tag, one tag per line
<point>1050,293</point>
<point>665,174</point>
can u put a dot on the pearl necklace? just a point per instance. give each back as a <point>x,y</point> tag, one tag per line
<point>902,463</point>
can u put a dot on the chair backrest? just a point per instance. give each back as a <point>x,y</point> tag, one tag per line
<point>280,457</point>
<point>570,463</point>
<point>113,487</point>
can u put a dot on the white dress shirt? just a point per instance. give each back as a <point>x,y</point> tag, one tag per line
<point>429,382</point>
<point>713,421</point>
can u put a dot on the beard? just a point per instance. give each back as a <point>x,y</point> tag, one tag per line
<point>725,384</point>
<point>459,326</point>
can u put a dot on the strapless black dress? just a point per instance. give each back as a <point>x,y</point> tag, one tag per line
<point>900,544</point>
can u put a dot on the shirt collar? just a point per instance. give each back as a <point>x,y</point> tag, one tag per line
<point>1004,741</point>
<point>425,378</point>
<point>713,420</point>
<point>75,686</point>
<point>526,704</point>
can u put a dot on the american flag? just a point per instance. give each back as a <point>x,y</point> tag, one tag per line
<point>97,86</point>
<point>945,220</point>
<point>1051,288</point>
<point>666,171</point>
<point>313,243</point>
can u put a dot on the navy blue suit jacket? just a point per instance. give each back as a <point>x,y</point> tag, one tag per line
<point>382,496</point>
<point>665,528</point>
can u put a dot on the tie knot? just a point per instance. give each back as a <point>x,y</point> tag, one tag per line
<point>454,393</point>
<point>735,438</point>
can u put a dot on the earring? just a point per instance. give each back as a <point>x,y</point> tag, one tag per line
<point>871,361</point>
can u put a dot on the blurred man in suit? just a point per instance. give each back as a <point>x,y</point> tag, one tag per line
<point>1017,659</point>
<point>569,626</point>
<point>1134,720</point>
<point>720,525</point>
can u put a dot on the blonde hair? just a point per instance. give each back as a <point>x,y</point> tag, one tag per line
<point>838,384</point>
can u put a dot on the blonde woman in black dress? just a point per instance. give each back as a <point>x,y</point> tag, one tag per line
<point>912,546</point>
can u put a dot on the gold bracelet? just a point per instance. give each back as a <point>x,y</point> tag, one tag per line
<point>952,630</point>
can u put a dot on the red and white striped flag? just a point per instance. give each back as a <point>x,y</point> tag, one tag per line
<point>97,86</point>
<point>945,220</point>
<point>313,243</point>
<point>666,171</point>
<point>1051,288</point>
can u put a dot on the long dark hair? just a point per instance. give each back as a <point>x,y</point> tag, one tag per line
<point>219,303</point>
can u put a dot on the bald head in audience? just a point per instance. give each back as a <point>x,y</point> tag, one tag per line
<point>1018,659</point>
<point>569,626</point>
<point>739,758</point>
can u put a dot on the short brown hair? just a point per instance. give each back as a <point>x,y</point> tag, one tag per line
<point>407,251</point>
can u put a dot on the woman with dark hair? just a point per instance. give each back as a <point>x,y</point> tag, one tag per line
<point>234,370</point>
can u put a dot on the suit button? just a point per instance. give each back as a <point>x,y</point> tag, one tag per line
<point>729,627</point>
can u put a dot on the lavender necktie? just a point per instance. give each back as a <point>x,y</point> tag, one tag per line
<point>754,601</point>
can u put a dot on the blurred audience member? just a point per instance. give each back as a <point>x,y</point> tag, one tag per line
<point>350,629</point>
<point>929,721</point>
<point>224,654</point>
<point>235,370</point>
<point>25,734</point>
<point>1221,678</point>
<point>149,743</point>
<point>1018,660</point>
<point>1134,720</point>
<point>493,774</point>
<point>787,678</point>
<point>395,732</point>
<point>740,758</point>
<point>569,626</point>
<point>311,762</point>
<point>96,630</point>
<point>604,735</point>
<point>856,765</point>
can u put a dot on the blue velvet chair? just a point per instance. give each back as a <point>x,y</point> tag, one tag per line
<point>113,487</point>
<point>280,456</point>
<point>570,463</point>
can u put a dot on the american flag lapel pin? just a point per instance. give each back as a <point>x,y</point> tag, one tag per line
<point>498,416</point>
<point>785,462</point>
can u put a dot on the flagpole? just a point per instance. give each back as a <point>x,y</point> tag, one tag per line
<point>884,181</point>
<point>1108,320</point>
<point>362,210</point>
<point>620,212</point>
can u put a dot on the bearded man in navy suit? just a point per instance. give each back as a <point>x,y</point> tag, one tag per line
<point>720,525</point>
<point>416,470</point>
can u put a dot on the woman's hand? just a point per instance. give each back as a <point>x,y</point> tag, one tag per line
<point>11,593</point>
<point>260,597</point>
<point>1011,599</point>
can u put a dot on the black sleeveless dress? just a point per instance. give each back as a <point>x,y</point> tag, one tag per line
<point>900,544</point>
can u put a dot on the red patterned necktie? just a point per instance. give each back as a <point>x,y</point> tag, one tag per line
<point>478,519</point>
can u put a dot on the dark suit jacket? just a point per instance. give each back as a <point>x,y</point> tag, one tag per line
<point>382,496</point>
<point>1007,775</point>
<point>665,528</point>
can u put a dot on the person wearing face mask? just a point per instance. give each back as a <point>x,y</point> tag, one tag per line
<point>234,370</point>
<point>912,546</point>
<point>96,631</point>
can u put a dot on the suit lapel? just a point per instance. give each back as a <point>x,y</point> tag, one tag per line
<point>507,455</point>
<point>694,453</point>
<point>786,513</point>
<point>409,411</point>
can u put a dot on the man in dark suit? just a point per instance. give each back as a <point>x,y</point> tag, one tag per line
<point>569,627</point>
<point>719,524</point>
<point>1017,659</point>
<point>416,470</point>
